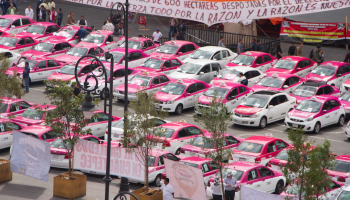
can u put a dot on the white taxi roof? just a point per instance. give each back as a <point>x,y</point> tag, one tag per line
<point>244,69</point>
<point>213,48</point>
<point>202,61</point>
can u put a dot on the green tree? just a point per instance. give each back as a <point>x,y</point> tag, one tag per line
<point>67,110</point>
<point>10,86</point>
<point>215,119</point>
<point>141,128</point>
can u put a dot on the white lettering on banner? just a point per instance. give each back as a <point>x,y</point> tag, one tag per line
<point>220,12</point>
<point>90,156</point>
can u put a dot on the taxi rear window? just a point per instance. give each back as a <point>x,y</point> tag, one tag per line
<point>250,147</point>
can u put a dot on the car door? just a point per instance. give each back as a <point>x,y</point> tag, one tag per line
<point>327,90</point>
<point>341,77</point>
<point>16,27</point>
<point>137,59</point>
<point>13,59</point>
<point>29,43</point>
<point>23,105</point>
<point>258,64</point>
<point>182,53</point>
<point>166,67</point>
<point>39,73</point>
<point>102,123</point>
<point>207,172</point>
<point>325,117</point>
<point>57,50</point>
<point>231,142</point>
<point>308,67</point>
<point>201,88</point>
<point>215,69</point>
<point>204,73</point>
<point>254,181</point>
<point>333,190</point>
<point>334,111</point>
<point>292,83</point>
<point>346,74</point>
<point>20,45</point>
<point>52,67</point>
<point>271,151</point>
<point>15,108</point>
<point>6,137</point>
<point>268,183</point>
<point>150,47</point>
<point>254,77</point>
<point>189,100</point>
<point>232,99</point>
<point>25,24</point>
<point>154,86</point>
<point>267,62</point>
<point>174,65</point>
<point>109,43</point>
<point>273,114</point>
<point>118,77</point>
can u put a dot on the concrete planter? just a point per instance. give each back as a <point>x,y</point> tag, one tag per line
<point>69,188</point>
<point>142,195</point>
<point>5,171</point>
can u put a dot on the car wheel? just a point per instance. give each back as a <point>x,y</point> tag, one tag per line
<point>341,120</point>
<point>179,109</point>
<point>317,127</point>
<point>177,152</point>
<point>279,187</point>
<point>157,181</point>
<point>263,122</point>
<point>103,95</point>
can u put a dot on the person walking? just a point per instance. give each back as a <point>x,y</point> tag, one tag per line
<point>38,9</point>
<point>11,10</point>
<point>157,35</point>
<point>316,54</point>
<point>259,46</point>
<point>173,23</point>
<point>217,189</point>
<point>168,192</point>
<point>279,50</point>
<point>240,46</point>
<point>25,76</point>
<point>221,42</point>
<point>81,33</point>
<point>42,14</point>
<point>182,27</point>
<point>253,45</point>
<point>292,51</point>
<point>29,12</point>
<point>53,15</point>
<point>230,184</point>
<point>300,49</point>
<point>82,21</point>
<point>49,8</point>
<point>70,19</point>
<point>59,17</point>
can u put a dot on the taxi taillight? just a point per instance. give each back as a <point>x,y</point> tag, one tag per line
<point>166,143</point>
<point>163,176</point>
<point>208,184</point>
<point>257,160</point>
<point>231,158</point>
<point>341,179</point>
<point>66,156</point>
<point>182,151</point>
<point>107,132</point>
<point>269,164</point>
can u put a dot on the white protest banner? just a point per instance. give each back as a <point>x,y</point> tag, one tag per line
<point>251,194</point>
<point>186,181</point>
<point>30,156</point>
<point>219,11</point>
<point>91,157</point>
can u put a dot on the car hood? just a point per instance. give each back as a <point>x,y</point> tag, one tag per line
<point>256,88</point>
<point>132,88</point>
<point>146,69</point>
<point>23,120</point>
<point>235,65</point>
<point>278,70</point>
<point>7,47</point>
<point>162,55</point>
<point>299,98</point>
<point>60,38</point>
<point>207,100</point>
<point>160,96</point>
<point>58,151</point>
<point>195,149</point>
<point>32,35</point>
<point>245,110</point>
<point>276,161</point>
<point>317,77</point>
<point>67,58</point>
<point>301,114</point>
<point>336,173</point>
<point>346,104</point>
<point>12,70</point>
<point>180,75</point>
<point>59,76</point>
<point>32,52</point>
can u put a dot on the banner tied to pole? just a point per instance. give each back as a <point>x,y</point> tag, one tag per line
<point>142,20</point>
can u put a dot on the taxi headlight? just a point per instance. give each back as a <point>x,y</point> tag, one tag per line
<point>310,118</point>
<point>169,102</point>
<point>255,115</point>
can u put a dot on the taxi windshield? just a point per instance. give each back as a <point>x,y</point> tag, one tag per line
<point>345,96</point>
<point>3,108</point>
<point>216,91</point>
<point>243,60</point>
<point>344,195</point>
<point>5,22</point>
<point>228,74</point>
<point>120,124</point>
<point>189,68</point>
<point>44,47</point>
<point>32,63</point>
<point>67,33</point>
<point>77,51</point>
<point>68,69</point>
<point>204,142</point>
<point>293,189</point>
<point>341,166</point>
<point>200,54</point>
<point>168,49</point>
<point>8,41</point>
<point>304,91</point>
<point>283,155</point>
<point>285,64</point>
<point>152,63</point>
<point>58,143</point>
<point>235,173</point>
<point>35,29</point>
<point>255,101</point>
<point>164,132</point>
<point>189,164</point>
<point>116,56</point>
<point>31,113</point>
<point>140,80</point>
<point>250,147</point>
<point>151,161</point>
<point>270,82</point>
<point>173,88</point>
<point>324,70</point>
<point>133,44</point>
<point>94,38</point>
<point>309,106</point>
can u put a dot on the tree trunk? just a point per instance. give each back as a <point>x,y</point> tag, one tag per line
<point>70,163</point>
<point>302,179</point>
<point>146,169</point>
<point>222,182</point>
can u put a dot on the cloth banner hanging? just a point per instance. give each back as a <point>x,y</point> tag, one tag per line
<point>251,194</point>
<point>142,20</point>
<point>30,156</point>
<point>218,11</point>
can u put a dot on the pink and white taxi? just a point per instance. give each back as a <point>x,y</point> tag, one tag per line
<point>180,94</point>
<point>231,74</point>
<point>160,64</point>
<point>51,48</point>
<point>220,54</point>
<point>40,30</point>
<point>308,89</point>
<point>203,145</point>
<point>150,82</point>
<point>16,43</point>
<point>6,128</point>
<point>258,149</point>
<point>341,170</point>
<point>75,53</point>
<point>259,60</point>
<point>231,95</point>
<point>12,106</point>
<point>32,116</point>
<point>262,108</point>
<point>316,112</point>
<point>40,132</point>
<point>175,135</point>
<point>345,101</point>
<point>297,65</point>
<point>345,86</point>
<point>103,39</point>
<point>67,34</point>
<point>332,72</point>
<point>136,57</point>
<point>255,176</point>
<point>278,82</point>
<point>141,43</point>
<point>179,49</point>
<point>40,68</point>
<point>14,23</point>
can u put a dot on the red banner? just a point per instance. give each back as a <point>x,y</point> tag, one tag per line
<point>142,20</point>
<point>322,33</point>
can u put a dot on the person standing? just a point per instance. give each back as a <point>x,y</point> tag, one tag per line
<point>259,46</point>
<point>49,8</point>
<point>59,17</point>
<point>242,79</point>
<point>42,14</point>
<point>53,15</point>
<point>38,9</point>
<point>70,19</point>
<point>29,12</point>
<point>3,6</point>
<point>179,36</point>
<point>182,27</point>
<point>77,90</point>
<point>82,21</point>
<point>321,57</point>
<point>279,50</point>
<point>240,47</point>
<point>157,36</point>
<point>26,72</point>
<point>173,23</point>
<point>81,33</point>
<point>217,189</point>
<point>174,37</point>
<point>253,45</point>
<point>221,42</point>
<point>11,10</point>
<point>117,17</point>
<point>292,51</point>
<point>108,26</point>
<point>11,2</point>
<point>300,49</point>
<point>316,54</point>
<point>230,184</point>
<point>168,192</point>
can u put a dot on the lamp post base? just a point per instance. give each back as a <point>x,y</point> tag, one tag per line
<point>124,185</point>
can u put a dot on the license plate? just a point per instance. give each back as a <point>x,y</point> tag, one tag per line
<point>238,121</point>
<point>295,125</point>
<point>242,159</point>
<point>54,156</point>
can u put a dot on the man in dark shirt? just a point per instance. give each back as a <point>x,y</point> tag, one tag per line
<point>292,50</point>
<point>259,46</point>
<point>253,46</point>
<point>59,17</point>
<point>76,90</point>
<point>179,36</point>
<point>279,50</point>
<point>81,33</point>
<point>26,72</point>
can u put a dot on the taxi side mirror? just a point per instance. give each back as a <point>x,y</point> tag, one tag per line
<point>108,42</point>
<point>324,111</point>
<point>270,106</point>
<point>201,73</point>
<point>215,75</point>
<point>338,75</point>
<point>188,94</point>
<point>13,26</point>
<point>295,106</point>
<point>152,85</point>
<point>13,64</point>
<point>76,37</point>
<point>180,53</point>
<point>285,86</point>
